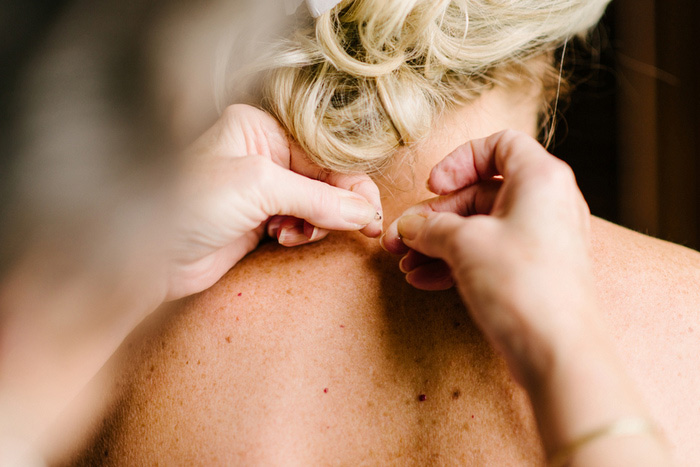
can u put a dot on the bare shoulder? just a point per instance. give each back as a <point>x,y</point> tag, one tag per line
<point>316,355</point>
<point>616,248</point>
<point>650,293</point>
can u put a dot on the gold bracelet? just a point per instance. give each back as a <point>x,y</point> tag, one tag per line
<point>621,427</point>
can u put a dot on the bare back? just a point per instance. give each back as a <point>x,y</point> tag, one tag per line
<point>323,355</point>
<point>314,356</point>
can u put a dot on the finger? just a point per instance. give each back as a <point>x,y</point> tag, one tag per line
<point>391,241</point>
<point>444,235</point>
<point>291,232</point>
<point>435,275</point>
<point>273,225</point>
<point>314,233</point>
<point>426,278</point>
<point>364,186</point>
<point>504,153</point>
<point>469,201</point>
<point>412,260</point>
<point>281,191</point>
<point>296,232</point>
<point>361,184</point>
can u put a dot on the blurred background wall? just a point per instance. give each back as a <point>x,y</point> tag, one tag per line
<point>660,117</point>
<point>632,129</point>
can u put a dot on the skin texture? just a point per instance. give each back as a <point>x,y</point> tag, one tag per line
<point>238,374</point>
<point>242,379</point>
<point>649,292</point>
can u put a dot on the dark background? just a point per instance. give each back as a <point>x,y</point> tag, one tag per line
<point>632,130</point>
<point>586,129</point>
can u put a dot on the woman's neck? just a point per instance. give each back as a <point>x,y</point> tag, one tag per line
<point>403,183</point>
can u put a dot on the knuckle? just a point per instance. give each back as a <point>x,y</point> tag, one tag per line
<point>364,185</point>
<point>231,113</point>
<point>236,111</point>
<point>513,138</point>
<point>565,172</point>
<point>511,134</point>
<point>240,116</point>
<point>557,172</point>
<point>584,207</point>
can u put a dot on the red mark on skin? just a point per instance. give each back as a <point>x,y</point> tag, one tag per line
<point>472,416</point>
<point>342,325</point>
<point>325,390</point>
<point>240,293</point>
<point>422,398</point>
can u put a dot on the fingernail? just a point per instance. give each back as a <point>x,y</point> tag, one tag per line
<point>290,236</point>
<point>273,227</point>
<point>381,242</point>
<point>315,233</point>
<point>409,276</point>
<point>402,268</point>
<point>409,226</point>
<point>309,230</point>
<point>357,211</point>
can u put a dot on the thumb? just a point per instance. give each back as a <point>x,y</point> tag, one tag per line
<point>443,235</point>
<point>288,193</point>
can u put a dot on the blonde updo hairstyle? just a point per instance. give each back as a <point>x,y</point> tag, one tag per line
<point>371,76</point>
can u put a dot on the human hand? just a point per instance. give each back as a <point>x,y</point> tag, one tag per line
<point>244,172</point>
<point>516,247</point>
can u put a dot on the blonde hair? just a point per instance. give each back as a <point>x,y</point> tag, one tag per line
<point>371,76</point>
